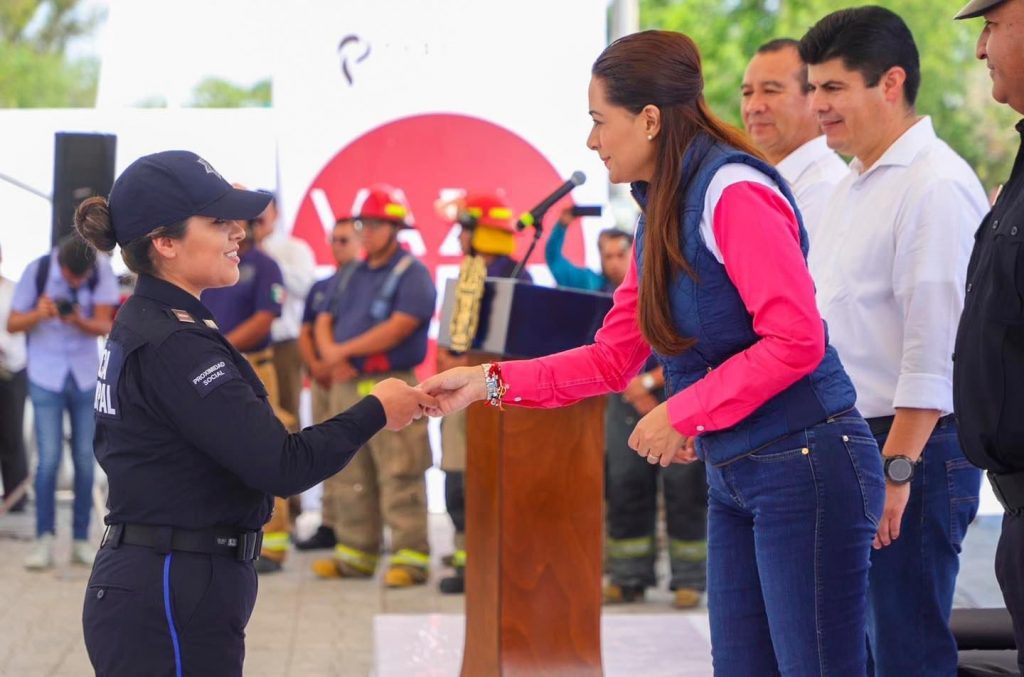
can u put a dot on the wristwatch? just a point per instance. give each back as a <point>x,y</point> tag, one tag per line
<point>647,381</point>
<point>899,469</point>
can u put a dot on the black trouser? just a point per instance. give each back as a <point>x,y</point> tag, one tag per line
<point>1010,574</point>
<point>631,491</point>
<point>13,462</point>
<point>455,498</point>
<point>155,614</point>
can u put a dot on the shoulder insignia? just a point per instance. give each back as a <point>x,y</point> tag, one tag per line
<point>182,316</point>
<point>211,324</point>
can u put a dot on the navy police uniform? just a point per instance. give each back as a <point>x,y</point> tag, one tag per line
<point>193,453</point>
<point>988,376</point>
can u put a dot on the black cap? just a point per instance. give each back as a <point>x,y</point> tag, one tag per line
<point>169,187</point>
<point>977,8</point>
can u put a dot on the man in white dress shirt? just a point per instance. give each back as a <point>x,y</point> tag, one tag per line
<point>778,117</point>
<point>889,259</point>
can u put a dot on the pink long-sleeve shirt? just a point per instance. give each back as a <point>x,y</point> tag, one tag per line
<point>749,226</point>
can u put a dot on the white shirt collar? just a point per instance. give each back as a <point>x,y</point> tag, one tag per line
<point>797,162</point>
<point>904,149</point>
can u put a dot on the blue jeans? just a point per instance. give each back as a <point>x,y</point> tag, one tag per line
<point>789,539</point>
<point>49,407</point>
<point>912,580</point>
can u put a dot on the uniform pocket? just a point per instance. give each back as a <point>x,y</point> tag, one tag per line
<point>964,482</point>
<point>112,619</point>
<point>1003,300</point>
<point>404,453</point>
<point>191,576</point>
<point>866,460</point>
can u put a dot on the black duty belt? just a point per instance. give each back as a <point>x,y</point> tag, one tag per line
<point>242,545</point>
<point>881,425</point>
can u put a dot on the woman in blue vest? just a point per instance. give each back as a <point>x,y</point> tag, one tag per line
<point>719,292</point>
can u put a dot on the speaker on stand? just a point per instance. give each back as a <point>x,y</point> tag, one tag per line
<point>83,166</point>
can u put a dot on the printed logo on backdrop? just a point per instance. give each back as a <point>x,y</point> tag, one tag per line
<point>433,158</point>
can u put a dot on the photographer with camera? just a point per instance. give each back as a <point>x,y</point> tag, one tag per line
<point>63,302</point>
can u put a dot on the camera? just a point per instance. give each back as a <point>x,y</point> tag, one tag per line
<point>586,210</point>
<point>64,307</point>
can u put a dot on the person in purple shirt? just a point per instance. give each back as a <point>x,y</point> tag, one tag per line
<point>244,313</point>
<point>63,302</point>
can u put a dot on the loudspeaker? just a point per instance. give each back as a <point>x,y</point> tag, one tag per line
<point>83,166</point>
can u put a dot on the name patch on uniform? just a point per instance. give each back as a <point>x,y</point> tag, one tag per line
<point>209,378</point>
<point>111,361</point>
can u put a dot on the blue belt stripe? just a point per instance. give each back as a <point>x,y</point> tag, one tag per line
<point>170,617</point>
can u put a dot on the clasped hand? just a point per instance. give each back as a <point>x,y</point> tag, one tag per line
<point>656,440</point>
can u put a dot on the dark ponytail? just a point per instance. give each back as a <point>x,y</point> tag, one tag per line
<point>92,221</point>
<point>662,68</point>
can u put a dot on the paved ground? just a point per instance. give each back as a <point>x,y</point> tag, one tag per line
<point>301,625</point>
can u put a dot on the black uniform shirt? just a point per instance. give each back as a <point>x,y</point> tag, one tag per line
<point>183,427</point>
<point>988,362</point>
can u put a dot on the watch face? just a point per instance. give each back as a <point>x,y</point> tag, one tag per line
<point>899,469</point>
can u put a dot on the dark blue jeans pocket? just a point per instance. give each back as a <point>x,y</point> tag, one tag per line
<point>867,466</point>
<point>964,481</point>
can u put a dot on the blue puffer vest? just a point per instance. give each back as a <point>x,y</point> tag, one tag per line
<point>712,311</point>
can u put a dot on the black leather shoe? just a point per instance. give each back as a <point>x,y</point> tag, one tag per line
<point>323,539</point>
<point>267,566</point>
<point>453,585</point>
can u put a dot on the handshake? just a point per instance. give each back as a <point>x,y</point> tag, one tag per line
<point>439,395</point>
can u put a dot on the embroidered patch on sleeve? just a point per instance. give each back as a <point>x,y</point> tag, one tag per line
<point>213,374</point>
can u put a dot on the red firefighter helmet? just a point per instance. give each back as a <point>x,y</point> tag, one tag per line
<point>381,202</point>
<point>486,209</point>
<point>490,219</point>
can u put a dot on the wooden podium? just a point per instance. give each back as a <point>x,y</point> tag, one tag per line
<point>534,499</point>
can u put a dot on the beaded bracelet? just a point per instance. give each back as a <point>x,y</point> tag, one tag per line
<point>496,386</point>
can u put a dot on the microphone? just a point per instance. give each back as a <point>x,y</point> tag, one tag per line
<point>533,217</point>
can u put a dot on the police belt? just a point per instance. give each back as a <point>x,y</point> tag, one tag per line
<point>1009,490</point>
<point>881,425</point>
<point>242,545</point>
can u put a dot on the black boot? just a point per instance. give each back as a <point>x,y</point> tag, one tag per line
<point>323,539</point>
<point>454,585</point>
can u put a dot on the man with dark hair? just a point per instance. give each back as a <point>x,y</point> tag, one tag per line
<point>889,261</point>
<point>777,115</point>
<point>613,244</point>
<point>63,302</point>
<point>988,370</point>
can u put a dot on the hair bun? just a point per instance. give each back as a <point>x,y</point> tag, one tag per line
<point>92,220</point>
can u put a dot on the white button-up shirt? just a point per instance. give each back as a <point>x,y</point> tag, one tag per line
<point>813,170</point>
<point>890,261</point>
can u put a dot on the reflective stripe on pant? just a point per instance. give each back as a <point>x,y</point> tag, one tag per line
<point>383,484</point>
<point>631,492</point>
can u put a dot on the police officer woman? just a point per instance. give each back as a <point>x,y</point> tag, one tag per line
<point>192,449</point>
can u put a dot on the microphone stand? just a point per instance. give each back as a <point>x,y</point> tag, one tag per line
<point>538,231</point>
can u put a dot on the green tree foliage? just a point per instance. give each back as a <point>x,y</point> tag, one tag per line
<point>35,70</point>
<point>217,93</point>
<point>955,88</point>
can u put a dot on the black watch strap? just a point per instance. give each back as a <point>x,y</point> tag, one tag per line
<point>899,469</point>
